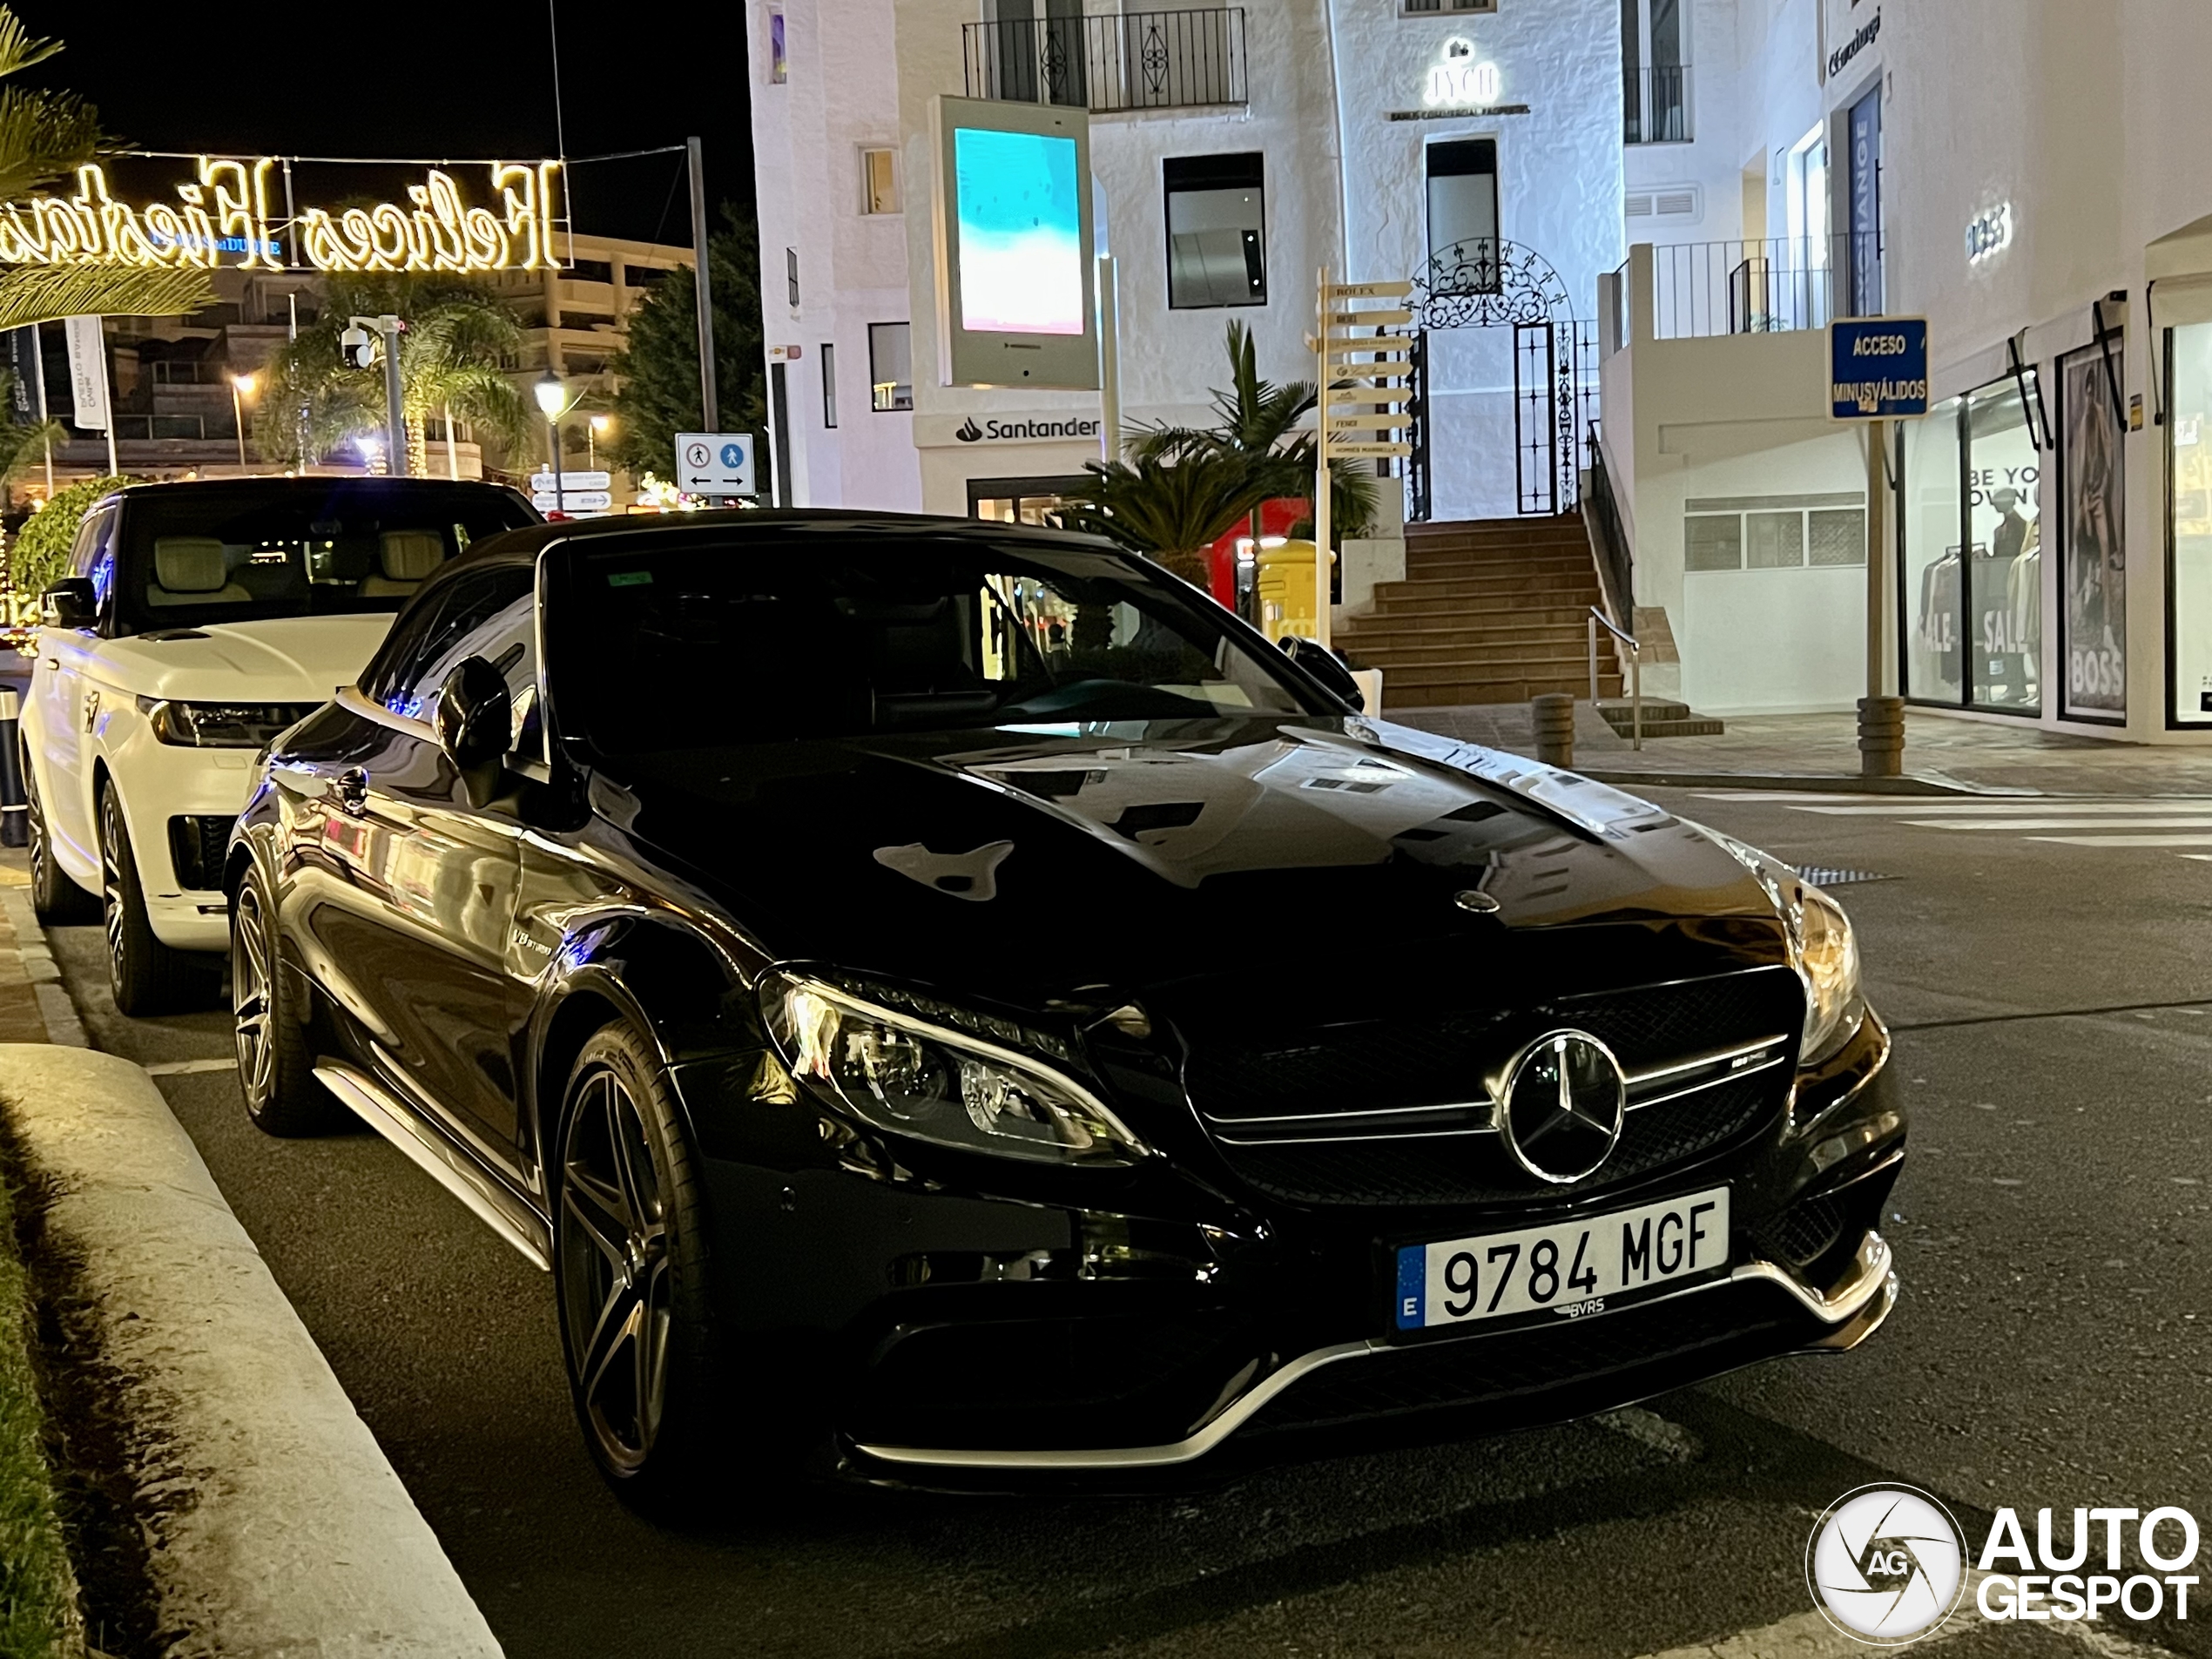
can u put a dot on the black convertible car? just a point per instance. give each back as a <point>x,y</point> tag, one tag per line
<point>953,996</point>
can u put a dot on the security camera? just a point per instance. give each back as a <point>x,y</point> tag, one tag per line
<point>358,346</point>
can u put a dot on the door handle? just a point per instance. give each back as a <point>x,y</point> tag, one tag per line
<point>351,787</point>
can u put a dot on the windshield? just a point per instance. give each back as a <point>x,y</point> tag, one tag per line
<point>654,644</point>
<point>244,552</point>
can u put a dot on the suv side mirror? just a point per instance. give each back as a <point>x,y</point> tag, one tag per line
<point>70,603</point>
<point>1327,666</point>
<point>474,717</point>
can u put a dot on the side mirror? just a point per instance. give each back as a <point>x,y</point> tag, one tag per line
<point>70,603</point>
<point>1327,666</point>
<point>474,717</point>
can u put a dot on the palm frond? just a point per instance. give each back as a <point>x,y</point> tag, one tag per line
<point>19,49</point>
<point>49,293</point>
<point>42,137</point>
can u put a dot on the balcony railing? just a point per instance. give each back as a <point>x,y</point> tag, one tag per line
<point>1701,289</point>
<point>1137,60</point>
<point>1655,104</point>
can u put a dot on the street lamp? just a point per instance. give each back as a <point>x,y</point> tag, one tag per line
<point>552,398</point>
<point>599,424</point>
<point>241,387</point>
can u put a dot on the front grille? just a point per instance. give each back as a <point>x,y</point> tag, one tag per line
<point>196,847</point>
<point>1376,1067</point>
<point>1466,1370</point>
<point>1477,1169</point>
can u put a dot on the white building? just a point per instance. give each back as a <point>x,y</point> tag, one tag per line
<point>1707,183</point>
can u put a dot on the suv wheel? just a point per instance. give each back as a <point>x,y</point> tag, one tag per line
<point>275,1065</point>
<point>630,1263</point>
<point>145,976</point>
<point>54,898</point>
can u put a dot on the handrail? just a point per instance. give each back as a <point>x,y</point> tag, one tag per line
<point>1636,672</point>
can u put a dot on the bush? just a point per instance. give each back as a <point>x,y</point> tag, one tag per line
<point>38,1607</point>
<point>40,556</point>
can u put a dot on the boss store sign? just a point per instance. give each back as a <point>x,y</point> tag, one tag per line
<point>993,431</point>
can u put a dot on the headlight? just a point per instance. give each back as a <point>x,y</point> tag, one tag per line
<point>915,1076</point>
<point>220,726</point>
<point>1823,949</point>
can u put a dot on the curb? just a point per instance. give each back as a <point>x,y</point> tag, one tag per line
<point>285,1531</point>
<point>1840,783</point>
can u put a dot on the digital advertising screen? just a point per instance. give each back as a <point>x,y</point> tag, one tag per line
<point>1020,233</point>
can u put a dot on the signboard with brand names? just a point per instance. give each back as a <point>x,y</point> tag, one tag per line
<point>568,483</point>
<point>572,500</point>
<point>1877,369</point>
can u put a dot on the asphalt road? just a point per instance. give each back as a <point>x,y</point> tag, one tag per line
<point>2051,1349</point>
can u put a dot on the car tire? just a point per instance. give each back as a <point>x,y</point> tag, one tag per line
<point>56,900</point>
<point>145,976</point>
<point>631,1270</point>
<point>276,1066</point>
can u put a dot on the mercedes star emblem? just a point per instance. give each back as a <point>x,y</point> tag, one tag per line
<point>1562,1107</point>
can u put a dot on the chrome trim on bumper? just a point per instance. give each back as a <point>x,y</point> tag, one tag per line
<point>1870,1278</point>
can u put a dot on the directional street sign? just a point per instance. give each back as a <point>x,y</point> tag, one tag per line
<point>1877,369</point>
<point>572,481</point>
<point>714,463</point>
<point>572,500</point>
<point>1368,290</point>
<point>1375,451</point>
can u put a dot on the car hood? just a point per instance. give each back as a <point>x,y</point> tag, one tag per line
<point>1027,864</point>
<point>282,659</point>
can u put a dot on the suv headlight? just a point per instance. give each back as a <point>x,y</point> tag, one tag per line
<point>220,726</point>
<point>1823,949</point>
<point>915,1075</point>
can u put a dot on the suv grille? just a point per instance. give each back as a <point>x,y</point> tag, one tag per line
<point>1349,1079</point>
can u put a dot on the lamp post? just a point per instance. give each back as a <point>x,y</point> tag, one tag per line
<point>552,398</point>
<point>241,387</point>
<point>599,424</point>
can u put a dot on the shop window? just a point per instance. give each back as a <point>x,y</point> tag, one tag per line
<point>2189,427</point>
<point>1216,222</point>
<point>1463,210</point>
<point>1023,501</point>
<point>1933,469</point>
<point>829,384</point>
<point>2093,580</point>
<point>879,181</point>
<point>890,367</point>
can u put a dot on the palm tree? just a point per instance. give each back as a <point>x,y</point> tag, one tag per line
<point>457,335</point>
<point>45,136</point>
<point>1257,453</point>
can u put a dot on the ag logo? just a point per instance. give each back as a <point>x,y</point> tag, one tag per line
<point>1887,1565</point>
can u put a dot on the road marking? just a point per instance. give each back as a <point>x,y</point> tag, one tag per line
<point>2147,822</point>
<point>2166,821</point>
<point>187,1068</point>
<point>2167,808</point>
<point>2125,840</point>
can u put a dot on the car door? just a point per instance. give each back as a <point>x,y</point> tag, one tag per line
<point>63,701</point>
<point>421,926</point>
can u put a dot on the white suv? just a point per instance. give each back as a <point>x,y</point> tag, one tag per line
<point>198,620</point>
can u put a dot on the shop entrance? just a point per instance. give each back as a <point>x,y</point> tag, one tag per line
<point>1021,500</point>
<point>1486,282</point>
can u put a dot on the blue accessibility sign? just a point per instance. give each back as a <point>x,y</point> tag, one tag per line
<point>1877,369</point>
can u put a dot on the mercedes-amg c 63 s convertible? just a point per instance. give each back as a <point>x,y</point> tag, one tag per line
<point>952,997</point>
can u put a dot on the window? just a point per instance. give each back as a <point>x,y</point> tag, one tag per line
<point>1654,72</point>
<point>1463,210</point>
<point>2093,542</point>
<point>406,675</point>
<point>829,384</point>
<point>642,276</point>
<point>1217,219</point>
<point>591,271</point>
<point>879,181</point>
<point>1774,532</point>
<point>1440,7</point>
<point>791,274</point>
<point>891,366</point>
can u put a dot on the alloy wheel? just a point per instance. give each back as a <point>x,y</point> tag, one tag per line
<point>250,983</point>
<point>615,1285</point>
<point>112,880</point>
<point>34,823</point>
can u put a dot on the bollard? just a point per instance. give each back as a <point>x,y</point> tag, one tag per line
<point>15,815</point>
<point>1554,715</point>
<point>1881,737</point>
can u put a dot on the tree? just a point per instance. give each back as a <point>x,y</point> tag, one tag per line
<point>658,369</point>
<point>45,136</point>
<point>457,334</point>
<point>40,556</point>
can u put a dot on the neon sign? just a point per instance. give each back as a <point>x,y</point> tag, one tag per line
<point>224,211</point>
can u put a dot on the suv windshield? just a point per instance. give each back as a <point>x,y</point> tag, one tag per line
<point>655,644</point>
<point>257,549</point>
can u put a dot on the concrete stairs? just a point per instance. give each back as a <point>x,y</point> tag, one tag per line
<point>1491,610</point>
<point>1662,717</point>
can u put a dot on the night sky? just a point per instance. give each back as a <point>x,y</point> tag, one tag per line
<point>409,78</point>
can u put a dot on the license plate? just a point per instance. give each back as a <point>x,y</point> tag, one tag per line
<point>1570,1268</point>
